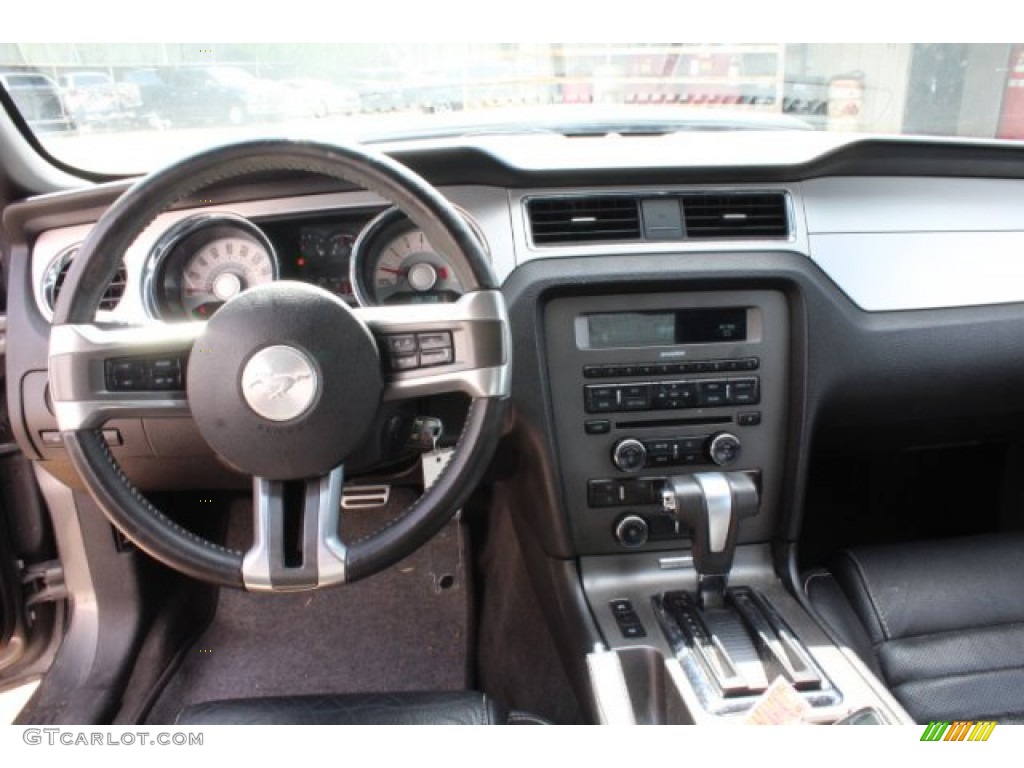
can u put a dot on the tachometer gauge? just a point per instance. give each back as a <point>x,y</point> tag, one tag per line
<point>204,262</point>
<point>394,263</point>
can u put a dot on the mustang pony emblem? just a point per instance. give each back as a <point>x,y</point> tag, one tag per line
<point>278,384</point>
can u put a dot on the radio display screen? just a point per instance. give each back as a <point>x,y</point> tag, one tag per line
<point>656,329</point>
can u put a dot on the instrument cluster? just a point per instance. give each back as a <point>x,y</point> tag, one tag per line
<point>371,260</point>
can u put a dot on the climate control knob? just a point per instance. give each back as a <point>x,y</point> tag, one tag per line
<point>629,455</point>
<point>631,531</point>
<point>724,448</point>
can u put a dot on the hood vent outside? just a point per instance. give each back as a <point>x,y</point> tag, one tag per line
<point>57,273</point>
<point>598,219</point>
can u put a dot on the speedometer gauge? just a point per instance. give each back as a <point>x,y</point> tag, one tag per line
<point>394,263</point>
<point>205,262</point>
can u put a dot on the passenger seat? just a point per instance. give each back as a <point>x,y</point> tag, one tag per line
<point>940,622</point>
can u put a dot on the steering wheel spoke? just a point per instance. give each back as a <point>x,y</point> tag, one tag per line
<point>296,545</point>
<point>429,349</point>
<point>99,373</point>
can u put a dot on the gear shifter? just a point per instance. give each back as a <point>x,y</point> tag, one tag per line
<point>711,504</point>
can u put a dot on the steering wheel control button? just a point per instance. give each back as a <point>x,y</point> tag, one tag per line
<point>408,351</point>
<point>429,357</point>
<point>439,340</point>
<point>144,374</point>
<point>285,381</point>
<point>403,344</point>
<point>405,362</point>
<point>632,531</point>
<point>280,383</point>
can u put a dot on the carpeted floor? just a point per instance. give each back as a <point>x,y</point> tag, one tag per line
<point>404,629</point>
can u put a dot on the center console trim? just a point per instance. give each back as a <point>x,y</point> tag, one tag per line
<point>639,576</point>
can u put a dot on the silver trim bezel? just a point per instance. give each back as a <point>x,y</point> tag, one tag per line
<point>488,204</point>
<point>331,552</point>
<point>152,268</point>
<point>393,217</point>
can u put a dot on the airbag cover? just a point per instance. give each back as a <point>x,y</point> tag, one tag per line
<point>285,381</point>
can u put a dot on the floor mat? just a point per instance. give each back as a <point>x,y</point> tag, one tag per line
<point>404,629</point>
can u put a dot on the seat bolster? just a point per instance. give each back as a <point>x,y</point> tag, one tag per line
<point>953,654</point>
<point>906,590</point>
<point>416,708</point>
<point>838,616</point>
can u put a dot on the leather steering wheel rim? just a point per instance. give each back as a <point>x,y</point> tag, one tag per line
<point>95,265</point>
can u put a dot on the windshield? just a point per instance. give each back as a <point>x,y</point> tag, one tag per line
<point>126,108</point>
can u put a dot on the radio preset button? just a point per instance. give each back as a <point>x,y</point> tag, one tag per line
<point>599,399</point>
<point>743,392</point>
<point>636,397</point>
<point>713,393</point>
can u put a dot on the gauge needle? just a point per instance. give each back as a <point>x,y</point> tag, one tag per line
<point>392,271</point>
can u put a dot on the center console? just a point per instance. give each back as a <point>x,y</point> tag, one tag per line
<point>670,414</point>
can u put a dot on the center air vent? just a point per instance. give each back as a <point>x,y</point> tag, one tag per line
<point>658,218</point>
<point>556,220</point>
<point>57,273</point>
<point>735,215</point>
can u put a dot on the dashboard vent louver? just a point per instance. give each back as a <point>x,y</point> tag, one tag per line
<point>732,216</point>
<point>58,272</point>
<point>584,219</point>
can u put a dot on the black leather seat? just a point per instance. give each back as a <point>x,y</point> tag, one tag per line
<point>941,623</point>
<point>418,708</point>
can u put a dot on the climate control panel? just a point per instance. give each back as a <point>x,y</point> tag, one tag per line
<point>631,454</point>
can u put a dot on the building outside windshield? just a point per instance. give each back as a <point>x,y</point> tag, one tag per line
<point>127,108</point>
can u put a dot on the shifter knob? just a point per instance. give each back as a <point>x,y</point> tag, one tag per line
<point>711,504</point>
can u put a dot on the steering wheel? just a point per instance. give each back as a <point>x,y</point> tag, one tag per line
<point>283,382</point>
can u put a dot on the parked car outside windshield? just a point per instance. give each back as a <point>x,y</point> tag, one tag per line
<point>160,101</point>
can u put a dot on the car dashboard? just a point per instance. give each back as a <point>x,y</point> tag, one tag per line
<point>678,305</point>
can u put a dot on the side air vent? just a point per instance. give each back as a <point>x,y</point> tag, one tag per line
<point>597,219</point>
<point>732,216</point>
<point>57,273</point>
